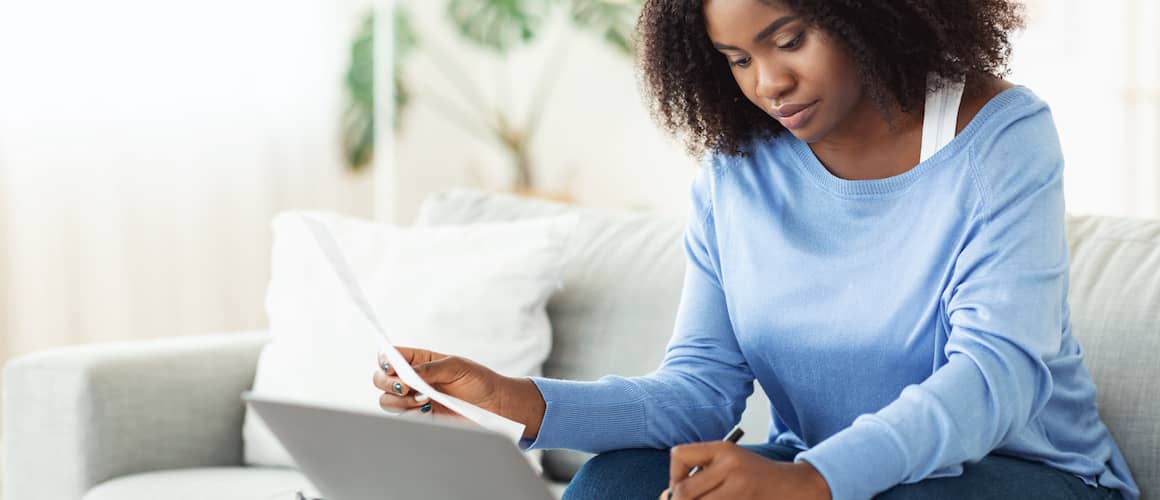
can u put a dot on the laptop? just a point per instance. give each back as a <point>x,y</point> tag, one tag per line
<point>363,455</point>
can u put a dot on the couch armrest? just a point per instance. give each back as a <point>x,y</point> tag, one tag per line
<point>77,416</point>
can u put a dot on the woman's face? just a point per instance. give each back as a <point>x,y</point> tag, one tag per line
<point>794,72</point>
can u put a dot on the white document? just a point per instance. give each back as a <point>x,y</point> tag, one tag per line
<point>488,420</point>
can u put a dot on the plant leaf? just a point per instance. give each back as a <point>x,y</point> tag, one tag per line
<point>613,20</point>
<point>358,120</point>
<point>499,24</point>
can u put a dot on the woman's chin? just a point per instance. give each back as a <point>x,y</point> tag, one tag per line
<point>806,135</point>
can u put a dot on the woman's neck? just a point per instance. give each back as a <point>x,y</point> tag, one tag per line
<point>865,146</point>
<point>868,146</point>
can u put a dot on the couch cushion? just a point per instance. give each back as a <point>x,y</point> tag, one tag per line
<point>220,483</point>
<point>1115,313</point>
<point>621,283</point>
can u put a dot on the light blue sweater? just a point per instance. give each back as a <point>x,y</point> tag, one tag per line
<point>900,326</point>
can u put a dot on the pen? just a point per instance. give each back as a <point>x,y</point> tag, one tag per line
<point>733,437</point>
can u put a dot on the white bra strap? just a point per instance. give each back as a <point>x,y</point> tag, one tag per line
<point>940,117</point>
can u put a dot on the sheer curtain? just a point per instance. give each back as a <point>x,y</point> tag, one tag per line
<point>1098,65</point>
<point>144,146</point>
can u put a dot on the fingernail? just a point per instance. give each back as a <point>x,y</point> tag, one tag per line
<point>386,366</point>
<point>421,398</point>
<point>398,388</point>
<point>425,408</point>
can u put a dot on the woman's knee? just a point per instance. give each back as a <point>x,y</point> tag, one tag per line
<point>999,477</point>
<point>628,474</point>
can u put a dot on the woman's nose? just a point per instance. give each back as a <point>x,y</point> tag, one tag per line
<point>773,82</point>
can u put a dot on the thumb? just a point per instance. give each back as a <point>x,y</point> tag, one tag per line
<point>443,371</point>
<point>683,458</point>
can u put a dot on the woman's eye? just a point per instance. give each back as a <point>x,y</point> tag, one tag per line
<point>741,63</point>
<point>797,40</point>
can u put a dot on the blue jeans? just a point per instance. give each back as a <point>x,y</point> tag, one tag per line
<point>643,474</point>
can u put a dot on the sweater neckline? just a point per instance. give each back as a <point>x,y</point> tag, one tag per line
<point>874,188</point>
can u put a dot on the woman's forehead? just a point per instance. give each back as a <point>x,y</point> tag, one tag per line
<point>734,10</point>
<point>729,21</point>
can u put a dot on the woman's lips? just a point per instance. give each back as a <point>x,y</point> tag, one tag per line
<point>794,116</point>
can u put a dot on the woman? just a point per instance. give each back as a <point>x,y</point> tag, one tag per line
<point>877,237</point>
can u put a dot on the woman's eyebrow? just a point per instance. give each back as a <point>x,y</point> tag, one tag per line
<point>772,28</point>
<point>761,35</point>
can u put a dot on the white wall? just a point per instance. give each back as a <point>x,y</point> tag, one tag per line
<point>597,142</point>
<point>1097,64</point>
<point>144,146</point>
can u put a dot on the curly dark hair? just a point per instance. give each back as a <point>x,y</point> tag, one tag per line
<point>896,44</point>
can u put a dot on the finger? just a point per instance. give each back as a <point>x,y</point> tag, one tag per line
<point>390,384</point>
<point>427,407</point>
<point>386,383</point>
<point>380,380</point>
<point>666,495</point>
<point>419,356</point>
<point>443,371</point>
<point>723,491</point>
<point>389,401</point>
<point>413,357</point>
<point>711,477</point>
<point>683,458</point>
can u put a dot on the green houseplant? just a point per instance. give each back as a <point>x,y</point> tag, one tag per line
<point>358,118</point>
<point>499,26</point>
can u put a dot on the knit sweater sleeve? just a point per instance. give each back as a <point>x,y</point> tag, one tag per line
<point>700,388</point>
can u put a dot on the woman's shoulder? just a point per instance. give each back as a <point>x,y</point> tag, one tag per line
<point>1000,117</point>
<point>990,106</point>
<point>1014,145</point>
<point>976,94</point>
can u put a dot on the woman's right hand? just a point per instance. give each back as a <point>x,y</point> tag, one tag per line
<point>513,398</point>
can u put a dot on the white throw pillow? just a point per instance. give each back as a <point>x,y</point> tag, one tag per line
<point>477,291</point>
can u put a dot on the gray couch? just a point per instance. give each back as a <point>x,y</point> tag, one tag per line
<point>162,419</point>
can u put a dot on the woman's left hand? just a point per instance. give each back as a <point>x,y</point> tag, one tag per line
<point>731,472</point>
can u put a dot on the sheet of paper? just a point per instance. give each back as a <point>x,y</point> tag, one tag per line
<point>488,420</point>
